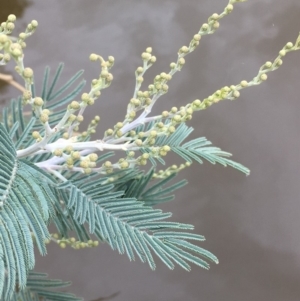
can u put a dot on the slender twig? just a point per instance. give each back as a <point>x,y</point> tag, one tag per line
<point>10,80</point>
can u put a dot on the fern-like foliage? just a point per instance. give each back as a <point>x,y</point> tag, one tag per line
<point>198,149</point>
<point>40,288</point>
<point>26,207</point>
<point>123,220</point>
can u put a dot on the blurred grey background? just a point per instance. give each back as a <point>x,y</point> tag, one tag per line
<point>251,223</point>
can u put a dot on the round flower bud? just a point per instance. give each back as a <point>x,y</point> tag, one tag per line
<point>84,164</point>
<point>69,161</point>
<point>11,18</point>
<point>3,38</point>
<point>181,61</point>
<point>282,52</point>
<point>173,65</point>
<point>184,49</point>
<point>107,164</point>
<point>34,23</point>
<point>72,117</point>
<point>197,37</point>
<point>149,49</point>
<point>153,133</point>
<point>216,25</point>
<point>140,79</point>
<point>109,77</point>
<point>141,134</point>
<point>145,156</point>
<point>268,64</point>
<point>90,101</point>
<point>26,95</point>
<point>165,114</point>
<point>160,125</point>
<point>146,56</point>
<point>236,94</point>
<point>244,83</point>
<point>62,245</point>
<point>279,62</point>
<point>124,165</point>
<point>189,111</point>
<point>10,26</point>
<point>153,59</point>
<point>65,135</point>
<point>80,118</point>
<point>111,59</point>
<point>75,155</point>
<point>171,129</point>
<point>38,101</point>
<point>162,153</point>
<point>165,87</point>
<point>85,97</point>
<point>152,141</point>
<point>289,45</point>
<point>93,57</point>
<point>264,77</point>
<point>174,110</point>
<point>27,72</point>
<point>94,81</point>
<point>177,118</point>
<point>104,73</point>
<point>87,170</point>
<point>204,27</point>
<point>93,157</point>
<point>95,243</point>
<point>46,111</point>
<point>131,154</point>
<point>6,57</point>
<point>75,105</point>
<point>215,16</point>
<point>22,35</point>
<point>92,164</point>
<point>16,52</point>
<point>36,135</point>
<point>229,8</point>
<point>143,162</point>
<point>138,142</point>
<point>119,125</point>
<point>139,69</point>
<point>132,133</point>
<point>166,148</point>
<point>132,114</point>
<point>109,132</point>
<point>44,118</point>
<point>58,152</point>
<point>119,134</point>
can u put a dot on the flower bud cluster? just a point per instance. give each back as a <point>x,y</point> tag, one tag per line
<point>74,158</point>
<point>162,174</point>
<point>72,242</point>
<point>14,48</point>
<point>91,128</point>
<point>105,77</point>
